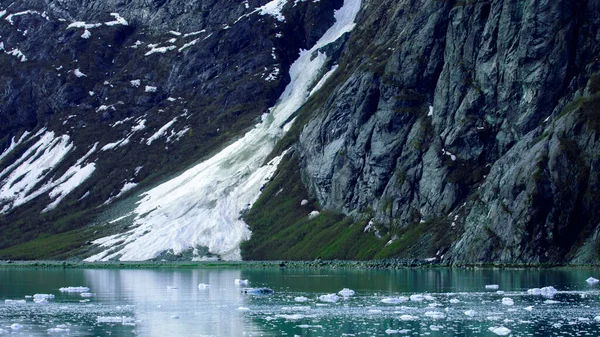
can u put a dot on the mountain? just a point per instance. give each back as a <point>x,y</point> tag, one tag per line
<point>452,131</point>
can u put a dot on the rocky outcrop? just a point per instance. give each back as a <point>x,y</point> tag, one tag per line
<point>459,112</point>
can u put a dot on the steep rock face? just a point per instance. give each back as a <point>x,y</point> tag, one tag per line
<point>101,98</point>
<point>455,114</point>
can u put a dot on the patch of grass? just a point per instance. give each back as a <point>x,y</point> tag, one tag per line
<point>50,246</point>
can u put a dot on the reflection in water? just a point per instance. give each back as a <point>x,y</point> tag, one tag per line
<point>168,302</point>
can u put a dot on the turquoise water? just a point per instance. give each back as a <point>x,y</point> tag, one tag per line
<point>168,302</point>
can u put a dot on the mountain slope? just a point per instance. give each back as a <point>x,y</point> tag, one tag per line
<point>463,131</point>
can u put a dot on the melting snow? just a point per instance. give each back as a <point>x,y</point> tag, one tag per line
<point>118,20</point>
<point>160,132</point>
<point>150,88</point>
<point>323,80</point>
<point>217,189</point>
<point>78,73</point>
<point>274,9</point>
<point>17,53</point>
<point>160,50</point>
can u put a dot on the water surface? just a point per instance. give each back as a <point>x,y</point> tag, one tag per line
<point>168,302</point>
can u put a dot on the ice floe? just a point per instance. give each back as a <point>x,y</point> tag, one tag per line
<point>203,286</point>
<point>408,318</point>
<point>548,292</point>
<point>500,330</point>
<point>330,298</point>
<point>592,280</point>
<point>492,286</point>
<point>301,299</point>
<point>74,289</point>
<point>435,314</point>
<point>470,313</point>
<point>9,302</point>
<point>508,301</point>
<point>346,292</point>
<point>394,300</point>
<point>240,282</point>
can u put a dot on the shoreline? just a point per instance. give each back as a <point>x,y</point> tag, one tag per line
<point>329,264</point>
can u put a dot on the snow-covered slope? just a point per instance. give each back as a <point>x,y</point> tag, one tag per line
<point>202,206</point>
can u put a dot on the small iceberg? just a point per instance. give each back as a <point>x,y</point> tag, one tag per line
<point>454,300</point>
<point>492,287</point>
<point>258,291</point>
<point>57,330</point>
<point>239,282</point>
<point>417,298</point>
<point>329,298</point>
<point>470,313</point>
<point>10,302</point>
<point>203,286</point>
<point>42,298</point>
<point>301,299</point>
<point>529,308</point>
<point>86,295</point>
<point>408,318</point>
<point>435,314</point>
<point>74,290</point>
<point>346,292</point>
<point>16,326</point>
<point>172,287</point>
<point>548,292</point>
<point>394,300</point>
<point>500,330</point>
<point>508,301</point>
<point>592,281</point>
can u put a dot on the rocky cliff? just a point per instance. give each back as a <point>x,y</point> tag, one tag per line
<point>459,131</point>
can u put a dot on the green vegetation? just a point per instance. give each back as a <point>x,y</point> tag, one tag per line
<point>282,229</point>
<point>57,246</point>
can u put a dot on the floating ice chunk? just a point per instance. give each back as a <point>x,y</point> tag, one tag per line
<point>429,297</point>
<point>551,302</point>
<point>243,309</point>
<point>307,326</point>
<point>470,313</point>
<point>592,280</point>
<point>292,317</point>
<point>74,289</point>
<point>9,302</point>
<point>330,298</point>
<point>174,316</point>
<point>508,301</point>
<point>417,298</point>
<point>172,287</point>
<point>78,73</point>
<point>203,286</point>
<point>500,292</point>
<point>454,300</point>
<point>435,327</point>
<point>16,326</point>
<point>435,314</point>
<point>500,330</point>
<point>42,298</point>
<point>408,318</point>
<point>86,34</point>
<point>86,295</point>
<point>529,308</point>
<point>258,291</point>
<point>114,319</point>
<point>374,311</point>
<point>394,300</point>
<point>597,318</point>
<point>545,291</point>
<point>492,286</point>
<point>301,299</point>
<point>239,282</point>
<point>57,330</point>
<point>346,292</point>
